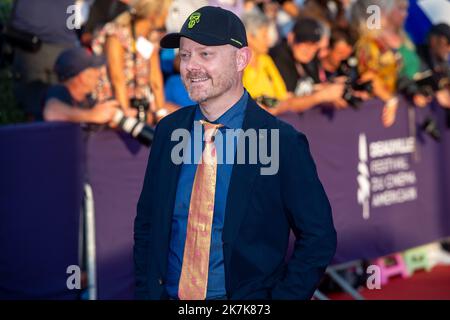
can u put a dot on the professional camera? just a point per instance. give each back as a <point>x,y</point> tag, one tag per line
<point>351,87</point>
<point>430,82</point>
<point>142,105</point>
<point>349,69</point>
<point>425,83</point>
<point>136,128</point>
<point>269,102</point>
<point>21,39</point>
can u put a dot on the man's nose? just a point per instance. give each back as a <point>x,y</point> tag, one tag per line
<point>192,64</point>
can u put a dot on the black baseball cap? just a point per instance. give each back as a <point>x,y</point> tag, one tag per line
<point>210,26</point>
<point>75,60</point>
<point>307,30</point>
<point>441,29</point>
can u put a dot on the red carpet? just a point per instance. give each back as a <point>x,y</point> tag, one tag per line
<point>433,285</point>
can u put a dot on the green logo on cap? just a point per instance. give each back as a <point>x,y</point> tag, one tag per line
<point>238,42</point>
<point>194,19</point>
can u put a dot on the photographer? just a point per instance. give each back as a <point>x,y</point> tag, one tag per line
<point>290,57</point>
<point>341,49</point>
<point>78,71</point>
<point>435,57</point>
<point>340,62</point>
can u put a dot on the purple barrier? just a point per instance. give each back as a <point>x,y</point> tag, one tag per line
<point>116,166</point>
<point>445,164</point>
<point>387,194</point>
<point>386,191</point>
<point>40,203</point>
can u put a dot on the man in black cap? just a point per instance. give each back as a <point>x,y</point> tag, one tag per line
<point>291,57</point>
<point>436,53</point>
<point>435,57</point>
<point>212,230</point>
<point>78,72</point>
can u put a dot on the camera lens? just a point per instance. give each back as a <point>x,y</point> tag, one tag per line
<point>137,129</point>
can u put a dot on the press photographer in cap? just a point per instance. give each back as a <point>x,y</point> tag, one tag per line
<point>435,59</point>
<point>291,56</point>
<point>78,71</point>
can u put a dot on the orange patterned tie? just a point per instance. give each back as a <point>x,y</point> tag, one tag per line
<point>194,272</point>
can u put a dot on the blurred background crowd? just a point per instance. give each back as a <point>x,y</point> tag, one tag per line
<point>305,53</point>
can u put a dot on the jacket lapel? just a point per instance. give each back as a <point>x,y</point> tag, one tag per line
<point>242,178</point>
<point>169,174</point>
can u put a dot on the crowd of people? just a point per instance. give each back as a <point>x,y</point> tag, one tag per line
<point>304,53</point>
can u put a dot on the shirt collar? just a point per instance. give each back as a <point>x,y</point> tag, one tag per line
<point>233,117</point>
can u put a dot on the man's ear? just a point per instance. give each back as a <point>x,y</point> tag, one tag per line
<point>432,41</point>
<point>243,57</point>
<point>82,76</point>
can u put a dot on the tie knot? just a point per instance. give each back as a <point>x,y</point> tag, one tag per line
<point>210,130</point>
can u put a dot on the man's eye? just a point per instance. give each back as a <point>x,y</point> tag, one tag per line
<point>183,55</point>
<point>206,54</point>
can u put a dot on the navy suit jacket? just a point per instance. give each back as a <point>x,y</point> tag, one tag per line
<point>260,212</point>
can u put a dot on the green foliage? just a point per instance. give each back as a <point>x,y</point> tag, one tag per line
<point>5,9</point>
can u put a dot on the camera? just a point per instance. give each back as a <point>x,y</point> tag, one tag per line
<point>425,83</point>
<point>349,68</point>
<point>429,82</point>
<point>142,105</point>
<point>351,87</point>
<point>136,128</point>
<point>20,39</point>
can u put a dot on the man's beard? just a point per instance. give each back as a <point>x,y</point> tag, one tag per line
<point>212,90</point>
